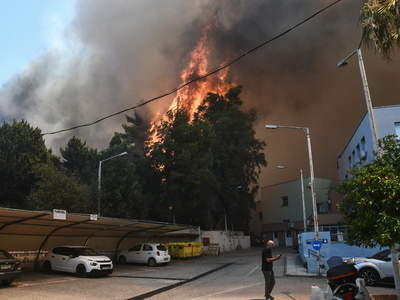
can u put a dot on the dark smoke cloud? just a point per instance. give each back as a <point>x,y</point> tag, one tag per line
<point>117,54</point>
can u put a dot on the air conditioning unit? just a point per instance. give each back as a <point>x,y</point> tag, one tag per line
<point>291,225</point>
<point>363,155</point>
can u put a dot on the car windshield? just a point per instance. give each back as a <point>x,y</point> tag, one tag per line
<point>85,252</point>
<point>161,247</point>
<point>379,255</point>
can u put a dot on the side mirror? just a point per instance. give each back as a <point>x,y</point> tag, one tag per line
<point>350,261</point>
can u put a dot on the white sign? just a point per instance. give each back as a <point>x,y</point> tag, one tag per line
<point>93,217</point>
<point>59,214</point>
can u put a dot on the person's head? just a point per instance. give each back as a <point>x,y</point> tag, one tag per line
<point>270,244</point>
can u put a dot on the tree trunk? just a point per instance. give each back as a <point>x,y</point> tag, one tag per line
<point>396,268</point>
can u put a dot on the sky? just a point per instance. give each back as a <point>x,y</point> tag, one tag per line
<point>29,28</point>
<point>66,63</point>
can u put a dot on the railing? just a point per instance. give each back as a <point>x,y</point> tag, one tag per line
<point>339,234</point>
<point>312,253</point>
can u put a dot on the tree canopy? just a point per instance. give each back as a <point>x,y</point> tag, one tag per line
<point>380,20</point>
<point>54,189</point>
<point>371,198</point>
<point>21,148</point>
<point>238,157</point>
<point>182,157</point>
<point>197,169</point>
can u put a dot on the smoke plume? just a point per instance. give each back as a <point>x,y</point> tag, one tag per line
<point>117,54</point>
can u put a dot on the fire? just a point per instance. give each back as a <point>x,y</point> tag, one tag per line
<point>191,96</point>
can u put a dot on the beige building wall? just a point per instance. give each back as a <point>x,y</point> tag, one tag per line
<point>282,209</point>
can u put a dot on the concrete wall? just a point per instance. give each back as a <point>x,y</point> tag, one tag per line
<point>228,241</point>
<point>328,249</point>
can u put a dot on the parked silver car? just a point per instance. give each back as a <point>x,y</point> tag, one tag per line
<point>376,268</point>
<point>151,254</point>
<point>10,268</point>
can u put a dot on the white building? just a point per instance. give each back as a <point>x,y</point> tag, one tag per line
<point>360,148</point>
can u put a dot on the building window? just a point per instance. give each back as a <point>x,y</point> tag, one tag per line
<point>358,152</point>
<point>320,207</point>
<point>397,127</point>
<point>284,201</point>
<point>363,145</point>
<point>260,216</point>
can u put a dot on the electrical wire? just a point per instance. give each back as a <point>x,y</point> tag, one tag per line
<point>216,70</point>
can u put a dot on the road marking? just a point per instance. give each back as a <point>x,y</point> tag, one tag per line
<point>258,267</point>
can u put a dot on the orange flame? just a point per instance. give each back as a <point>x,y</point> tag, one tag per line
<point>191,96</point>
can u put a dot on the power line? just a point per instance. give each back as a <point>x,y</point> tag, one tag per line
<point>216,70</point>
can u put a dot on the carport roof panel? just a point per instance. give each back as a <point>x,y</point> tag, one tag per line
<point>21,222</point>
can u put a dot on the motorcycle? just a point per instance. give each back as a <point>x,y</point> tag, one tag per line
<point>342,281</point>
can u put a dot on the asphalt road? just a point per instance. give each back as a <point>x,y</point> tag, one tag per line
<point>234,275</point>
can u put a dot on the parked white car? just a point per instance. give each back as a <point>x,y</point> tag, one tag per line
<point>151,254</point>
<point>376,268</point>
<point>80,260</point>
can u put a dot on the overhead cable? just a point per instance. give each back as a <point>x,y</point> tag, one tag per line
<point>223,66</point>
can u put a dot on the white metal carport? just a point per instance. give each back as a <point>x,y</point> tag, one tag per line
<point>22,230</point>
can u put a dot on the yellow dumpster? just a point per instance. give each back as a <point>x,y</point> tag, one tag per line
<point>181,250</point>
<point>167,246</point>
<point>197,249</point>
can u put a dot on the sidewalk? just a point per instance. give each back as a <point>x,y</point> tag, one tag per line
<point>293,264</point>
<point>294,267</point>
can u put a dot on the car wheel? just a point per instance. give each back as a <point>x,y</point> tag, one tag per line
<point>81,271</point>
<point>7,282</point>
<point>371,277</point>
<point>47,267</point>
<point>152,262</point>
<point>122,260</point>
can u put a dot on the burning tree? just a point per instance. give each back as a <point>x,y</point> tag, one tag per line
<point>238,157</point>
<point>182,161</point>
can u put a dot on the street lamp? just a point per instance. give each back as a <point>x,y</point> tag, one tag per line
<point>371,116</point>
<point>316,230</point>
<point>302,193</point>
<point>98,204</point>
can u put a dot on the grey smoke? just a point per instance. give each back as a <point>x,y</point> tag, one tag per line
<point>118,53</point>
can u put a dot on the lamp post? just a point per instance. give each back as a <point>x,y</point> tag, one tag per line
<point>371,116</point>
<point>302,193</point>
<point>316,230</point>
<point>99,178</point>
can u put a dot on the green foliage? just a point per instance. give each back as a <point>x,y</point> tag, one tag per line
<point>238,157</point>
<point>138,133</point>
<point>200,169</point>
<point>77,158</point>
<point>380,21</point>
<point>121,187</point>
<point>182,157</point>
<point>21,148</point>
<point>371,198</point>
<point>55,190</point>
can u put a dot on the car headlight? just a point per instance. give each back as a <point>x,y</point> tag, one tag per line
<point>92,263</point>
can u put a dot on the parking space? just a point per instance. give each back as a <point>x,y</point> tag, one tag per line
<point>231,275</point>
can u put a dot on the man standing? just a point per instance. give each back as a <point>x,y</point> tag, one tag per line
<point>267,269</point>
